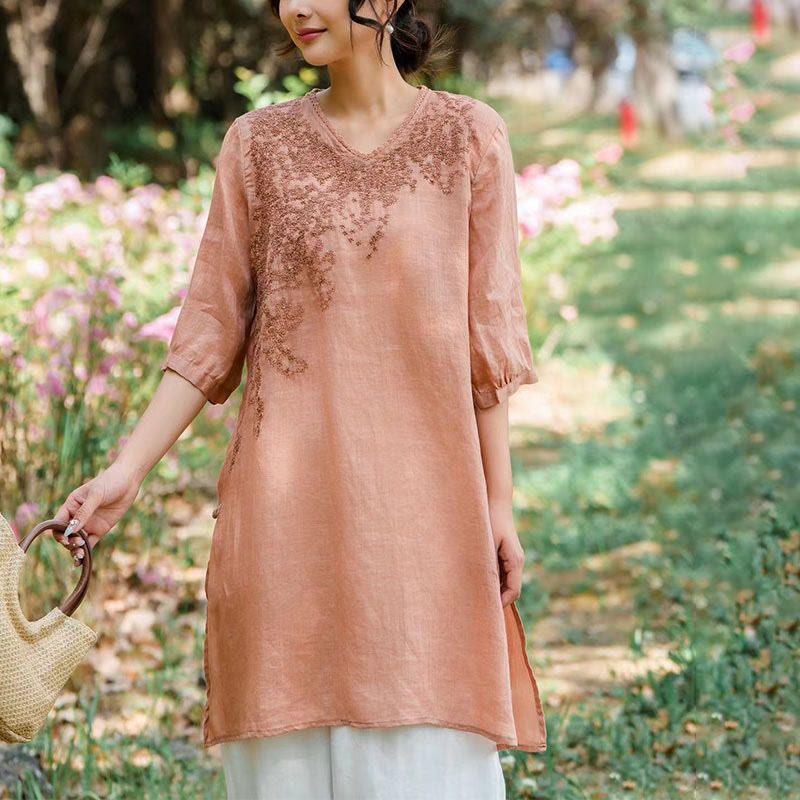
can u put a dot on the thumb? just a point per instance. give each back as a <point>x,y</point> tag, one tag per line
<point>69,511</point>
<point>86,503</point>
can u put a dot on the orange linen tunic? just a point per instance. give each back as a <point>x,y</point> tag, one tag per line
<point>376,301</point>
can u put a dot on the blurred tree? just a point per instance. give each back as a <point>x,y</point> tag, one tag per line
<point>29,28</point>
<point>173,61</point>
<point>171,90</point>
<point>650,24</point>
<point>655,81</point>
<point>596,24</point>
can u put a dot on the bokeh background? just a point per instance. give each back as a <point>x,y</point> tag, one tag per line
<point>657,145</point>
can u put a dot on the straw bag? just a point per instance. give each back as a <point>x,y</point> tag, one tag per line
<point>36,658</point>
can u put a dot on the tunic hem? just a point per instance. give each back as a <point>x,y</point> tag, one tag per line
<point>524,644</point>
<point>265,732</point>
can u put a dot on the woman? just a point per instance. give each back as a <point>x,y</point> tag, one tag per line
<point>361,256</point>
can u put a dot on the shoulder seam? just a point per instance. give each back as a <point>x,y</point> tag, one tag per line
<point>486,147</point>
<point>244,166</point>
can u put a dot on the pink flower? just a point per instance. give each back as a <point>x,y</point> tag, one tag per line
<point>134,213</point>
<point>6,344</point>
<point>542,194</point>
<point>530,211</point>
<point>610,154</point>
<point>43,198</point>
<point>161,328</point>
<point>78,235</point>
<point>740,52</point>
<point>70,187</point>
<point>54,384</point>
<point>37,268</point>
<point>743,112</point>
<point>97,386</point>
<point>730,135</point>
<point>108,214</point>
<point>109,188</point>
<point>568,313</point>
<point>592,219</point>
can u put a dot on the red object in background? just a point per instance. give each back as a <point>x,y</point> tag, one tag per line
<point>628,122</point>
<point>761,21</point>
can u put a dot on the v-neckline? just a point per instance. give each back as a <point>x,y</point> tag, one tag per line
<point>394,137</point>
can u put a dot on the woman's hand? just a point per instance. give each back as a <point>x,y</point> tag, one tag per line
<point>96,507</point>
<point>510,555</point>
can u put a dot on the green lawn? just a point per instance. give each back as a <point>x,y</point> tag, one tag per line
<point>676,523</point>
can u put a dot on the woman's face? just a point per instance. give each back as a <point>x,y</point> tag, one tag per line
<point>332,18</point>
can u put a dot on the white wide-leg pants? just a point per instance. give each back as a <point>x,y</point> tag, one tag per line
<point>342,762</point>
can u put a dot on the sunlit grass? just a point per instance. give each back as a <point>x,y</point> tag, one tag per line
<point>693,308</point>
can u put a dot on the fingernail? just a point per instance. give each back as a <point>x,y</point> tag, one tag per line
<point>71,527</point>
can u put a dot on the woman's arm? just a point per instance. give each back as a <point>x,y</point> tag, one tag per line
<point>501,360</point>
<point>99,504</point>
<point>174,405</point>
<point>496,456</point>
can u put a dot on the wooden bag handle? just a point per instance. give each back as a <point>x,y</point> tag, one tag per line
<point>74,600</point>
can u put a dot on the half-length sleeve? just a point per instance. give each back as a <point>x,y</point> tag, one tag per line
<point>500,352</point>
<point>209,343</point>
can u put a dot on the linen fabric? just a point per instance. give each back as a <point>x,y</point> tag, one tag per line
<point>375,299</point>
<point>412,762</point>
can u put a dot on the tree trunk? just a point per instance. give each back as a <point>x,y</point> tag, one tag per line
<point>655,87</point>
<point>173,95</point>
<point>602,59</point>
<point>29,29</point>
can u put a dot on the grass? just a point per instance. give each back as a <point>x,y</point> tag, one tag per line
<point>696,313</point>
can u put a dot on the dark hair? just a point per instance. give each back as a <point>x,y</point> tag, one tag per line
<point>413,44</point>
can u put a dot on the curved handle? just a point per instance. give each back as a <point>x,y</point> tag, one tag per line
<point>74,600</point>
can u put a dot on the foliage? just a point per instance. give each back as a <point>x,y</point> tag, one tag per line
<point>253,86</point>
<point>562,209</point>
<point>193,61</point>
<point>85,267</point>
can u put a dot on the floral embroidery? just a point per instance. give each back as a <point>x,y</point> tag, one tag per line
<point>305,187</point>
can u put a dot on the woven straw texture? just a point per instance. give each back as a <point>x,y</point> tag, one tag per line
<point>36,658</point>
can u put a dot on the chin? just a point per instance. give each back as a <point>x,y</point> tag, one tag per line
<point>317,55</point>
<point>316,60</point>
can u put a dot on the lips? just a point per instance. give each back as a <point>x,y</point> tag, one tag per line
<point>304,33</point>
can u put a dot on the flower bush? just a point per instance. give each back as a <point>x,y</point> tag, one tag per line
<point>91,281</point>
<point>562,209</point>
<point>731,101</point>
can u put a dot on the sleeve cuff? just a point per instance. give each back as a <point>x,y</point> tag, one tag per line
<point>489,396</point>
<point>197,376</point>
